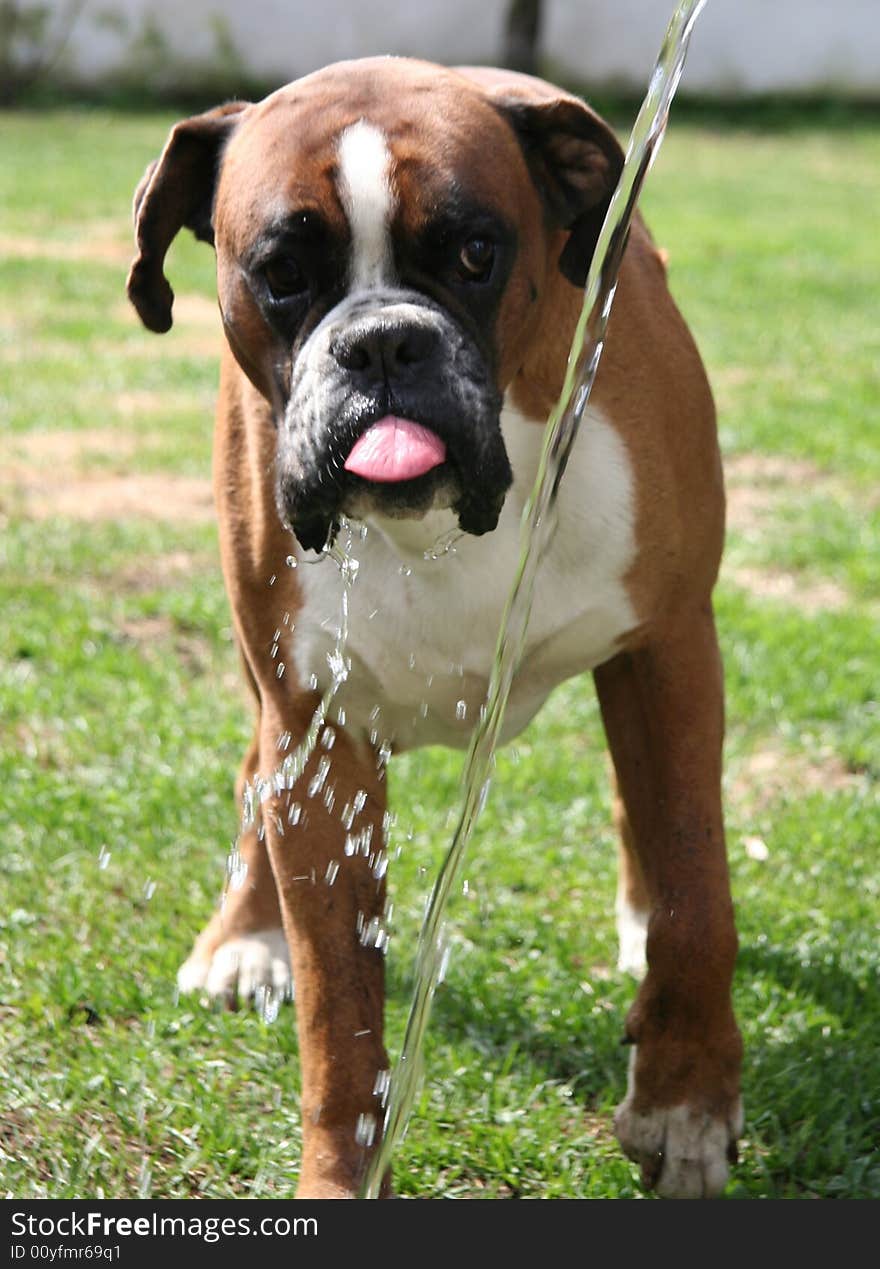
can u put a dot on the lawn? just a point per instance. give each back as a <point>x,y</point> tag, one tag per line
<point>122,722</point>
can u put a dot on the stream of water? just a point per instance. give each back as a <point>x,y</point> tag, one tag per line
<point>562,428</point>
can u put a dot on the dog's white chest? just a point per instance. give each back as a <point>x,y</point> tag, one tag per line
<point>423,624</point>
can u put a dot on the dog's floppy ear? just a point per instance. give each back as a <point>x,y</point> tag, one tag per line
<point>575,161</point>
<point>176,192</point>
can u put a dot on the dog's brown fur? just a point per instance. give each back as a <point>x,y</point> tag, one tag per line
<point>661,695</point>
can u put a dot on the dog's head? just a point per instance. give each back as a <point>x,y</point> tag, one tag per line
<point>385,232</point>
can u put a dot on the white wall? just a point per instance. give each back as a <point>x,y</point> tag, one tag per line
<point>739,46</point>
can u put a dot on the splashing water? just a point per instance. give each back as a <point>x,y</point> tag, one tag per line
<point>286,775</point>
<point>562,427</point>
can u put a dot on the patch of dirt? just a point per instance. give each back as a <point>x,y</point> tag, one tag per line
<point>773,773</point>
<point>157,572</point>
<point>46,474</point>
<point>99,243</point>
<point>197,310</point>
<point>757,482</point>
<point>191,647</point>
<point>181,499</point>
<point>809,597</point>
<point>757,486</point>
<point>44,744</point>
<point>193,650</point>
<point>151,402</point>
<point>73,448</point>
<point>196,329</point>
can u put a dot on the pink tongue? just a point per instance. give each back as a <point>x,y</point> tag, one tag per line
<point>395,449</point>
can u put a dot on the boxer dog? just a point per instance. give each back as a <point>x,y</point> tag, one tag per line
<point>400,255</point>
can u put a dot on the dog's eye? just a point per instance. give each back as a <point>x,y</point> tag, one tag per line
<point>285,278</point>
<point>475,260</point>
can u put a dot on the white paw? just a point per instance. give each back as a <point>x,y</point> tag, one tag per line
<point>632,931</point>
<point>683,1152</point>
<point>249,967</point>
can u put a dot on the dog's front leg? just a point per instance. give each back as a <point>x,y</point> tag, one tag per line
<point>663,711</point>
<point>325,840</point>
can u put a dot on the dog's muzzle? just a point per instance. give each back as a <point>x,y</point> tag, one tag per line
<point>392,409</point>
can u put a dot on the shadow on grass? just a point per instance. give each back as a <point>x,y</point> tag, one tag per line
<point>812,1076</point>
<point>811,1087</point>
<point>582,1050</point>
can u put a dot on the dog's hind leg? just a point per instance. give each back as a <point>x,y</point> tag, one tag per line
<point>242,950</point>
<point>662,706</point>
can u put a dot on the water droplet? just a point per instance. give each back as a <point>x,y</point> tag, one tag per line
<point>316,783</point>
<point>291,561</point>
<point>247,806</point>
<point>461,710</point>
<point>103,858</point>
<point>332,872</point>
<point>445,545</point>
<point>267,1002</point>
<point>339,666</point>
<point>279,672</point>
<point>236,868</point>
<point>381,1086</point>
<point>373,934</point>
<point>365,1131</point>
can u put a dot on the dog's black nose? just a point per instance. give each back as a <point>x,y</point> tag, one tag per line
<point>379,350</point>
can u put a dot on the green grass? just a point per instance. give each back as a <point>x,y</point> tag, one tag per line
<point>122,723</point>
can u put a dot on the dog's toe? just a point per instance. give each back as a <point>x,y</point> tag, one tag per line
<point>683,1152</point>
<point>249,967</point>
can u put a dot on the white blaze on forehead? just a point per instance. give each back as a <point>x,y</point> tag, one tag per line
<point>365,191</point>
